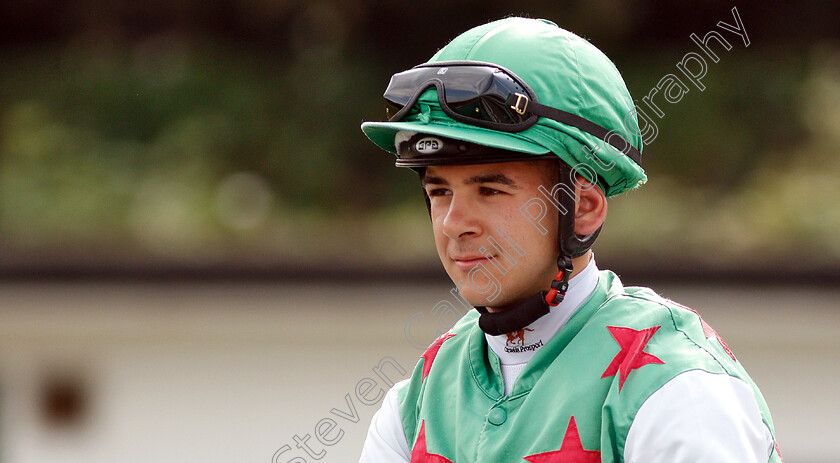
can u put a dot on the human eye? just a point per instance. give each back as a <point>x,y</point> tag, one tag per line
<point>487,191</point>
<point>433,192</point>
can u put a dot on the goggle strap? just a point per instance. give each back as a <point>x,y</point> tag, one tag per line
<point>565,117</point>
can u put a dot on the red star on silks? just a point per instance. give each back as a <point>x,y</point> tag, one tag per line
<point>708,331</point>
<point>632,354</point>
<point>420,455</point>
<point>571,450</point>
<point>431,353</point>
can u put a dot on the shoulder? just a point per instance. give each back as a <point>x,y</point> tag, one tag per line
<point>647,340</point>
<point>644,302</point>
<point>675,328</point>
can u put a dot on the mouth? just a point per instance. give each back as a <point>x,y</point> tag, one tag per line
<point>470,262</point>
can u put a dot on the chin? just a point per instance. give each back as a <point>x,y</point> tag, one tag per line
<point>475,299</point>
<point>482,300</point>
<point>480,289</point>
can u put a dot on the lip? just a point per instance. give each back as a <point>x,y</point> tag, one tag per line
<point>470,262</point>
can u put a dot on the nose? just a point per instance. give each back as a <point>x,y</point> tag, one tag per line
<point>461,219</point>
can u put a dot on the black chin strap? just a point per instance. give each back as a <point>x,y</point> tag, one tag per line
<point>515,318</point>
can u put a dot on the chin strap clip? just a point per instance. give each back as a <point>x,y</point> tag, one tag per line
<point>560,284</point>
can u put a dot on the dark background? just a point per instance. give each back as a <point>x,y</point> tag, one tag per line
<point>221,139</point>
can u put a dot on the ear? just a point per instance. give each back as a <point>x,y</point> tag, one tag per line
<point>590,208</point>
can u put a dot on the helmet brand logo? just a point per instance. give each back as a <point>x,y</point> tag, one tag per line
<point>428,145</point>
<point>442,70</point>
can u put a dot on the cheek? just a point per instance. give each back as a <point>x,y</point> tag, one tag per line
<point>539,250</point>
<point>437,212</point>
<point>547,244</point>
<point>437,231</point>
<point>437,222</point>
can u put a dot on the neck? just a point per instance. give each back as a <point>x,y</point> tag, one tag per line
<point>580,263</point>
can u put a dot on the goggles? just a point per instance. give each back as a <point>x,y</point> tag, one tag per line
<point>486,95</point>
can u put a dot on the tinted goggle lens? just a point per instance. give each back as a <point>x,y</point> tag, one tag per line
<point>480,93</point>
<point>487,96</point>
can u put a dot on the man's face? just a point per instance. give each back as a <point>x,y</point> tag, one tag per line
<point>493,254</point>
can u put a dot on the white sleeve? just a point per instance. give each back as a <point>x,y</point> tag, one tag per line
<point>699,417</point>
<point>385,441</point>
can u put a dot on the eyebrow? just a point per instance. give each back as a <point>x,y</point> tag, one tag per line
<point>476,179</point>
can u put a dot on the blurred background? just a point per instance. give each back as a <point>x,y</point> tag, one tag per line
<point>202,257</point>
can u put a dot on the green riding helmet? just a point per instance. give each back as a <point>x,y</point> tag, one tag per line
<point>563,71</point>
